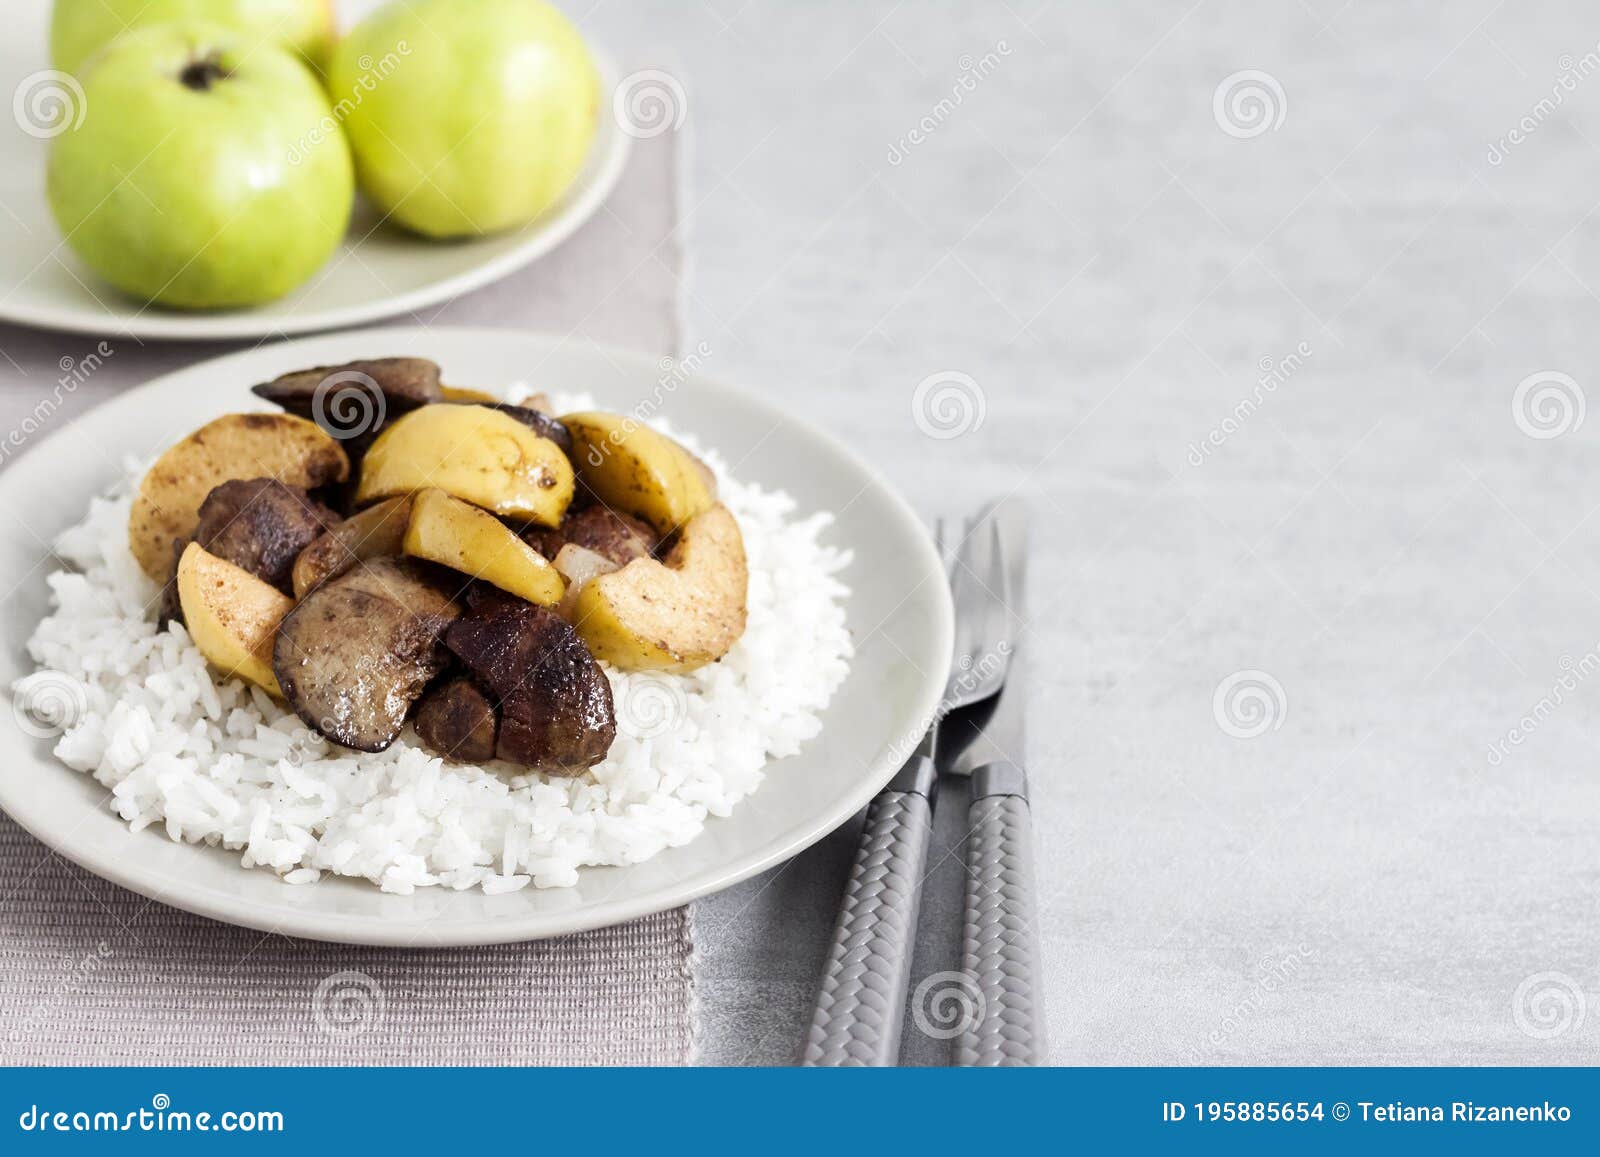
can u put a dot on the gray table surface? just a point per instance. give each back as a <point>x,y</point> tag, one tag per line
<point>1080,235</point>
<point>1377,542</point>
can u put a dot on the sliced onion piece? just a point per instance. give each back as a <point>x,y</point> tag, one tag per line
<point>578,565</point>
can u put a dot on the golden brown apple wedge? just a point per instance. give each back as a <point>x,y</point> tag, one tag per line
<point>231,615</point>
<point>674,615</point>
<point>464,538</point>
<point>465,394</point>
<point>474,453</point>
<point>631,468</point>
<point>376,532</point>
<point>236,446</point>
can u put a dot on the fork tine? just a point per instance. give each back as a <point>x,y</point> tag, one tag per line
<point>983,560</point>
<point>975,605</point>
<point>966,594</point>
<point>999,580</point>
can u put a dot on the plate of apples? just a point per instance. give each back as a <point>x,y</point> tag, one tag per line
<point>223,169</point>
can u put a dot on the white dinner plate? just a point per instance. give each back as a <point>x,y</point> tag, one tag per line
<point>378,270</point>
<point>898,612</point>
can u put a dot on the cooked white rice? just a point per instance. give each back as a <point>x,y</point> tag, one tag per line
<point>219,762</point>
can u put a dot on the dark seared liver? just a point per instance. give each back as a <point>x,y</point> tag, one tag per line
<point>331,396</point>
<point>553,699</point>
<point>456,720</point>
<point>619,537</point>
<point>358,651</point>
<point>262,525</point>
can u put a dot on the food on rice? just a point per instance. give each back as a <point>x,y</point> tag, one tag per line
<point>261,525</point>
<point>356,653</point>
<point>292,450</point>
<point>232,616</point>
<point>444,490</point>
<point>478,454</point>
<point>376,532</point>
<point>556,714</point>
<point>221,762</point>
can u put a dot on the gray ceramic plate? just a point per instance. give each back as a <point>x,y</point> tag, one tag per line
<point>899,613</point>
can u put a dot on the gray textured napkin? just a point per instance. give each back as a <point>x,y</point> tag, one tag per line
<point>93,974</point>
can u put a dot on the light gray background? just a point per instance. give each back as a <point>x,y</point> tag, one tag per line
<point>1380,537</point>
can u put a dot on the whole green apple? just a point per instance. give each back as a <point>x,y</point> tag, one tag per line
<point>79,27</point>
<point>206,171</point>
<point>465,116</point>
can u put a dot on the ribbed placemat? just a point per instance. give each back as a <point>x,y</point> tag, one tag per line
<point>93,974</point>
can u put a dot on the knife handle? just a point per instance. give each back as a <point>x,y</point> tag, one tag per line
<point>1000,947</point>
<point>863,995</point>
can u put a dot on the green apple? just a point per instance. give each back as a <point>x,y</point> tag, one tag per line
<point>79,27</point>
<point>465,116</point>
<point>206,172</point>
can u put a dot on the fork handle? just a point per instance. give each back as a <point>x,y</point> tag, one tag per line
<point>1000,947</point>
<point>862,999</point>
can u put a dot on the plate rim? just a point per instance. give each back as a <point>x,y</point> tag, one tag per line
<point>335,928</point>
<point>614,145</point>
